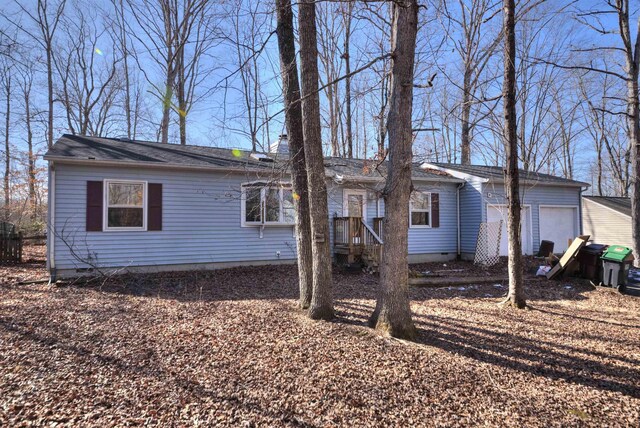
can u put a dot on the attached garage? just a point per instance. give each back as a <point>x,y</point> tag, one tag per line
<point>559,224</point>
<point>551,206</point>
<point>499,212</point>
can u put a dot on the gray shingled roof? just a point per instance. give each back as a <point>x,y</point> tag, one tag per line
<point>75,147</point>
<point>619,204</point>
<point>95,149</point>
<point>496,173</point>
<point>372,169</point>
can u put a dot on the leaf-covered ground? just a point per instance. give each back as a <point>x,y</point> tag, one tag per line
<point>229,348</point>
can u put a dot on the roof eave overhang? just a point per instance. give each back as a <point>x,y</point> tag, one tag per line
<point>461,176</point>
<point>156,165</point>
<point>465,176</point>
<point>361,179</point>
<point>576,184</point>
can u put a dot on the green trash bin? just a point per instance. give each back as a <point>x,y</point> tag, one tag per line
<point>616,262</point>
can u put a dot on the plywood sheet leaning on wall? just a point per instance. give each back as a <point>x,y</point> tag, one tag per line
<point>568,256</point>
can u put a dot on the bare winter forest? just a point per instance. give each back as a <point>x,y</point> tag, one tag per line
<point>544,86</point>
<point>207,73</point>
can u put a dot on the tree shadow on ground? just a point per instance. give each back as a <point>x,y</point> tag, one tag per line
<point>150,368</point>
<point>552,360</point>
<point>281,282</point>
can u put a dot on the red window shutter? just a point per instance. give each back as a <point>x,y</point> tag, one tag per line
<point>435,210</point>
<point>94,206</point>
<point>154,206</point>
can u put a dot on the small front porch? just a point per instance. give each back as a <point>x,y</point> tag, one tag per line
<point>356,241</point>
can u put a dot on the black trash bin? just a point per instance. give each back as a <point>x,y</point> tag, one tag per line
<point>616,262</point>
<point>589,259</point>
<point>546,248</point>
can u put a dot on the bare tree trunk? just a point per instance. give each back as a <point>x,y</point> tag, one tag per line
<point>169,78</point>
<point>293,119</point>
<point>632,59</point>
<point>322,297</point>
<point>122,36</point>
<point>516,287</point>
<point>392,314</point>
<point>31,162</point>
<point>347,62</point>
<point>465,131</point>
<point>7,146</point>
<point>181,96</point>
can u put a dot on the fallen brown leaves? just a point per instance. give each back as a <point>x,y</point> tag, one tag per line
<point>229,348</point>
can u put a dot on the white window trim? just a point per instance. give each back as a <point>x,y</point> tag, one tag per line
<point>243,205</point>
<point>411,210</point>
<point>105,206</point>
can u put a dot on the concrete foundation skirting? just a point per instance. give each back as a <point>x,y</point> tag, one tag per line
<point>468,256</point>
<point>431,257</point>
<point>74,273</point>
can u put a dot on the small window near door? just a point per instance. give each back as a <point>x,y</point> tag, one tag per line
<point>125,205</point>
<point>420,208</point>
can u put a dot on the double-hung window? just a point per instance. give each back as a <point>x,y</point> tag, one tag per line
<point>420,208</point>
<point>125,205</point>
<point>264,204</point>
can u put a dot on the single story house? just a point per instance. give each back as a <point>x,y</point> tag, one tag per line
<point>607,219</point>
<point>550,206</point>
<point>146,206</point>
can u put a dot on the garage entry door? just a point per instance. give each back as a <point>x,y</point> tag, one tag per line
<point>559,225</point>
<point>499,212</point>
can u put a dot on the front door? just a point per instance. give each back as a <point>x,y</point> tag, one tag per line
<point>355,203</point>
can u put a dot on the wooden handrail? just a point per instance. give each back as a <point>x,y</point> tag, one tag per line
<point>370,236</point>
<point>377,226</point>
<point>359,238</point>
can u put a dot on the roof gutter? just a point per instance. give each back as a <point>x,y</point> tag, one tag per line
<point>246,169</point>
<point>121,163</point>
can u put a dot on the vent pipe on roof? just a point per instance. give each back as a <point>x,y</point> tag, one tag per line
<point>280,146</point>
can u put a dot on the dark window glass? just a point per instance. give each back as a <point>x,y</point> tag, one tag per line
<point>272,204</point>
<point>125,217</point>
<point>252,205</point>
<point>288,207</point>
<point>419,218</point>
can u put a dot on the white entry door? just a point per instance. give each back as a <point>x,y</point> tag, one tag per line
<point>499,212</point>
<point>355,203</point>
<point>558,225</point>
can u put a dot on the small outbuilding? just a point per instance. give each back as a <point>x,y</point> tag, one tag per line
<point>607,219</point>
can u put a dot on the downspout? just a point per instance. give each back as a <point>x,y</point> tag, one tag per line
<point>51,238</point>
<point>458,245</point>
<point>580,232</point>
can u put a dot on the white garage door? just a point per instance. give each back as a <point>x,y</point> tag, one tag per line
<point>499,212</point>
<point>559,225</point>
